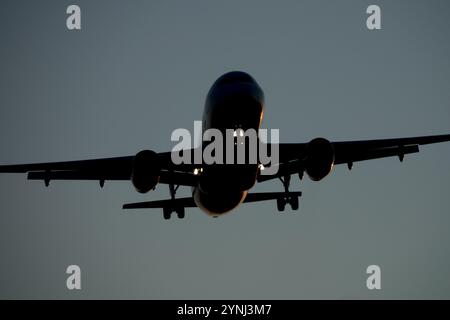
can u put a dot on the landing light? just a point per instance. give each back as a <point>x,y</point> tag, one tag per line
<point>241,133</point>
<point>197,171</point>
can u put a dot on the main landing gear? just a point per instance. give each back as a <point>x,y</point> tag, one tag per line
<point>288,197</point>
<point>167,211</point>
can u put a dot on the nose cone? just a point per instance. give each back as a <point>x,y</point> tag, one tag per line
<point>235,99</point>
<point>234,77</point>
<point>235,85</point>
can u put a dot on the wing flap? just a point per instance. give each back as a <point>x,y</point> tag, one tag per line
<point>386,143</point>
<point>362,155</point>
<point>167,177</point>
<point>102,165</point>
<point>75,175</point>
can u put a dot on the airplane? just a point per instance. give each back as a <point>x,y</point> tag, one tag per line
<point>234,101</point>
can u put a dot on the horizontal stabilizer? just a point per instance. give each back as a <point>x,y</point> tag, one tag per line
<point>170,203</point>
<point>263,196</point>
<point>189,201</point>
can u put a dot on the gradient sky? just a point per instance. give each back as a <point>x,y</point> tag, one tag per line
<point>139,69</point>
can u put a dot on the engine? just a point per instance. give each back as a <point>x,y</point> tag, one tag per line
<point>319,159</point>
<point>146,171</point>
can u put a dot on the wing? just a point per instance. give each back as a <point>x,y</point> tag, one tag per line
<point>119,168</point>
<point>292,155</point>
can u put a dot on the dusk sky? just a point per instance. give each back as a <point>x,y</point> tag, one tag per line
<point>137,70</point>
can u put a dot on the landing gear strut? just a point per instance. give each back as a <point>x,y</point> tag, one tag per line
<point>288,197</point>
<point>167,211</point>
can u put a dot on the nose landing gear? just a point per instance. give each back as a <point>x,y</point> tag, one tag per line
<point>288,197</point>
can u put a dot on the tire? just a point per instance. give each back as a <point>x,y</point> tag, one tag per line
<point>180,213</point>
<point>281,204</point>
<point>294,203</point>
<point>167,213</point>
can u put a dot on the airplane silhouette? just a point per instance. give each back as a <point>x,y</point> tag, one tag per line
<point>234,101</point>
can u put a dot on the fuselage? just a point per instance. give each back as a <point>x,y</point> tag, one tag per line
<point>235,101</point>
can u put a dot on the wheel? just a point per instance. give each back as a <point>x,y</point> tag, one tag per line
<point>294,203</point>
<point>180,213</point>
<point>167,213</point>
<point>281,204</point>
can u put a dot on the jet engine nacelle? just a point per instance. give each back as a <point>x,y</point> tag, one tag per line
<point>319,159</point>
<point>146,171</point>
